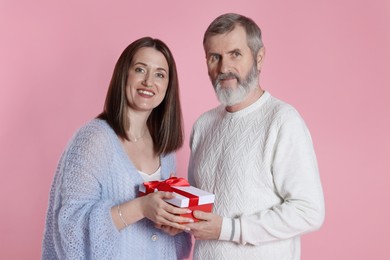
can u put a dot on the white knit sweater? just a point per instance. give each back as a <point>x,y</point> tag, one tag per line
<point>260,164</point>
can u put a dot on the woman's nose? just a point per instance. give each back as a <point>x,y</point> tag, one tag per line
<point>147,82</point>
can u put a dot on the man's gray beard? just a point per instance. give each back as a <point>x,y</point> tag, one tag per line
<point>231,96</point>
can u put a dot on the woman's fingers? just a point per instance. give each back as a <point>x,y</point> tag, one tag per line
<point>166,219</point>
<point>163,213</point>
<point>169,230</point>
<point>169,217</point>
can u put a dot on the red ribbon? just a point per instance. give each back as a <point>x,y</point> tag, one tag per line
<point>167,186</point>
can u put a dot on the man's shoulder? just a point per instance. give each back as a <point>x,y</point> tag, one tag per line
<point>280,112</point>
<point>278,107</point>
<point>210,115</point>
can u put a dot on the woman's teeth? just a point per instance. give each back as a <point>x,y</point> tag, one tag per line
<point>145,92</point>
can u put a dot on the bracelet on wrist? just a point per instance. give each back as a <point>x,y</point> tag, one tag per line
<point>121,216</point>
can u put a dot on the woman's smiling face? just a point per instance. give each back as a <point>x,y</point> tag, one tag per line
<point>147,80</point>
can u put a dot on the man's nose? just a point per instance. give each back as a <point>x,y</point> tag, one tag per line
<point>225,66</point>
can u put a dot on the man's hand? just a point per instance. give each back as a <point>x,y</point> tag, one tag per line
<point>208,228</point>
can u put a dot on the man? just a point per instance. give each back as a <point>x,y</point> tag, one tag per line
<point>255,153</point>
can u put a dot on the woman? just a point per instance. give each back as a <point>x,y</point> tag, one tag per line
<point>94,211</point>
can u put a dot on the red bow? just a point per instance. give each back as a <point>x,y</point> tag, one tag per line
<point>167,186</point>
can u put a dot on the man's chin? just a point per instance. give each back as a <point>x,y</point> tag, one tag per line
<point>230,101</point>
<point>228,84</point>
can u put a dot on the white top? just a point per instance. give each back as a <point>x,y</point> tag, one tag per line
<point>260,164</point>
<point>156,176</point>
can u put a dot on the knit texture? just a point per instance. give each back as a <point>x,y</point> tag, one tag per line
<point>94,174</point>
<point>260,164</point>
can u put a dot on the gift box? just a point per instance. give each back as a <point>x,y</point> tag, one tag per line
<point>186,196</point>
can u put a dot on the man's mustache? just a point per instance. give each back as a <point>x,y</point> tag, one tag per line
<point>223,76</point>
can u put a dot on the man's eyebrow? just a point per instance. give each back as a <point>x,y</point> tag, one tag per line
<point>213,53</point>
<point>234,50</point>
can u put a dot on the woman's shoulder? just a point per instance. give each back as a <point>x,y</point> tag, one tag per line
<point>95,127</point>
<point>170,157</point>
<point>96,132</point>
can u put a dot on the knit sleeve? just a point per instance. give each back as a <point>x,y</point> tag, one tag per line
<point>85,226</point>
<point>296,179</point>
<point>183,243</point>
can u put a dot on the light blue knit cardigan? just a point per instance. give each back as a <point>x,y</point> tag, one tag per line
<point>94,174</point>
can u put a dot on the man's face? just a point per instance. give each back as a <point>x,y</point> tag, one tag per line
<point>231,66</point>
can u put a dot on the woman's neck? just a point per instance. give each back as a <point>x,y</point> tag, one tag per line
<point>137,123</point>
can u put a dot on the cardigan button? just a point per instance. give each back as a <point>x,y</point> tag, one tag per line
<point>154,237</point>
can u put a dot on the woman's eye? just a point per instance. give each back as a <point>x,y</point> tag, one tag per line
<point>160,75</point>
<point>139,69</point>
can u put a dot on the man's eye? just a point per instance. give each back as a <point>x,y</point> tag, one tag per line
<point>214,57</point>
<point>236,54</point>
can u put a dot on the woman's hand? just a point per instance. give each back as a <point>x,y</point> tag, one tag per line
<point>169,230</point>
<point>162,213</point>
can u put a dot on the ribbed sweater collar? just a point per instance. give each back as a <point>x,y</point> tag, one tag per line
<point>243,112</point>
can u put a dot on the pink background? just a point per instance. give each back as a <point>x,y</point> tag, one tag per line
<point>330,59</point>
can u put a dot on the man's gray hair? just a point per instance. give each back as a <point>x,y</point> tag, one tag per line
<point>227,22</point>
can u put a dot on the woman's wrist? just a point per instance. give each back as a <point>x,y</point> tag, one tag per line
<point>121,217</point>
<point>127,213</point>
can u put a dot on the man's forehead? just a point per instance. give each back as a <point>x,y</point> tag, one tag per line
<point>235,39</point>
<point>223,47</point>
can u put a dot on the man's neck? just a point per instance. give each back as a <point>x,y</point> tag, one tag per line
<point>252,97</point>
